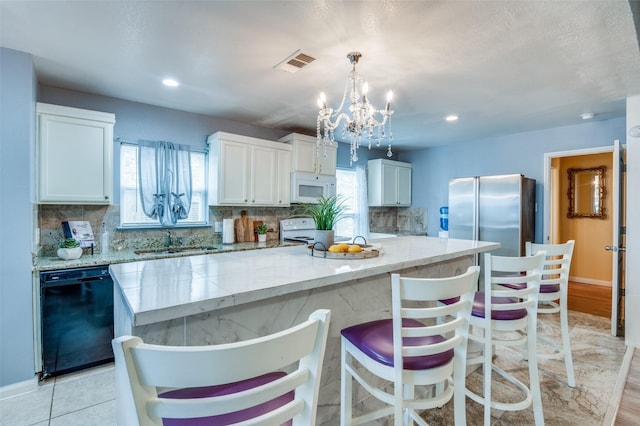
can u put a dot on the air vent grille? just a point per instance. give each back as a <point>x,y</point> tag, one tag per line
<point>295,62</point>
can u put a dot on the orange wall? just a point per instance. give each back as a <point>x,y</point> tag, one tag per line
<point>590,260</point>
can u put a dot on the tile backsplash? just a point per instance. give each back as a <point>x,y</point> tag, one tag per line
<point>394,220</point>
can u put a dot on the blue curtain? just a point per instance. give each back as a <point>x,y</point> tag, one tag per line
<point>164,171</point>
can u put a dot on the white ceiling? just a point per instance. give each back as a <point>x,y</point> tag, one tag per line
<point>503,66</point>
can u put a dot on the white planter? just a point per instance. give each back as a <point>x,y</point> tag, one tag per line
<point>262,238</point>
<point>70,253</point>
<point>324,237</point>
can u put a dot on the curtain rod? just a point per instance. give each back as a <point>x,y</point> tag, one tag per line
<point>191,147</point>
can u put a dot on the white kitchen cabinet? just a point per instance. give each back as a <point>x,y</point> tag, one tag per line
<point>246,171</point>
<point>74,155</point>
<point>306,157</point>
<point>283,192</point>
<point>389,183</point>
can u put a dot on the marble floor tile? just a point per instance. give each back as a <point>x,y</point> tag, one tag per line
<point>597,357</point>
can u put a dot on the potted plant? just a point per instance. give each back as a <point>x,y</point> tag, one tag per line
<point>326,212</point>
<point>69,249</point>
<point>262,232</point>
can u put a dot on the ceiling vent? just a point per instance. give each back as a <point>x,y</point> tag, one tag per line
<point>295,62</point>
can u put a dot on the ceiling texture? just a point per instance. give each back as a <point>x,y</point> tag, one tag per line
<point>503,66</point>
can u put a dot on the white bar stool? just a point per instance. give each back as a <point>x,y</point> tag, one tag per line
<point>270,380</point>
<point>422,345</point>
<point>498,312</point>
<point>554,288</point>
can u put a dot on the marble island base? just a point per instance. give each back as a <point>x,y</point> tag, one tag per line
<point>351,300</point>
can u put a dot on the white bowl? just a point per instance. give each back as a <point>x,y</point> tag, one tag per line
<point>70,253</point>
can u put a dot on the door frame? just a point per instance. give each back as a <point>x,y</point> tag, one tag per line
<point>548,156</point>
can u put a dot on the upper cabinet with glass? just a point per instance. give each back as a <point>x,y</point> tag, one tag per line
<point>587,192</point>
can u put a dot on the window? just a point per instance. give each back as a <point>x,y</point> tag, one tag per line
<point>352,185</point>
<point>131,214</point>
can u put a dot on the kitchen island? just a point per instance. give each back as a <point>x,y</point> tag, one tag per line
<point>218,298</point>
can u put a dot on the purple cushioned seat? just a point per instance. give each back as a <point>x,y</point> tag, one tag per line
<point>478,307</point>
<point>544,288</point>
<point>375,339</point>
<point>226,389</point>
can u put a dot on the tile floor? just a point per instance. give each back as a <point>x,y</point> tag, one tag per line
<point>85,399</point>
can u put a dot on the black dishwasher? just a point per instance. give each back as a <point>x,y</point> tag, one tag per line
<point>76,318</point>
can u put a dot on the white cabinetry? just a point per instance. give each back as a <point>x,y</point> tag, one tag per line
<point>389,183</point>
<point>74,155</point>
<point>309,159</point>
<point>246,171</point>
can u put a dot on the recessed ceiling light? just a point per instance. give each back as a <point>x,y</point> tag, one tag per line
<point>170,82</point>
<point>451,117</point>
<point>587,115</point>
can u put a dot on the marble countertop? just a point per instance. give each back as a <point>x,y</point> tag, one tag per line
<point>163,289</point>
<point>50,263</point>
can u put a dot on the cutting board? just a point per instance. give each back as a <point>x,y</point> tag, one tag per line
<point>244,228</point>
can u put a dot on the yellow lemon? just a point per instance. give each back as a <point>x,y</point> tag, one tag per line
<point>343,247</point>
<point>355,248</point>
<point>335,248</point>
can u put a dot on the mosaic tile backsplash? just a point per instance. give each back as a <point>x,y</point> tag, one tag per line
<point>393,220</point>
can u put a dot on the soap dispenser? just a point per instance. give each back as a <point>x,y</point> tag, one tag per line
<point>104,240</point>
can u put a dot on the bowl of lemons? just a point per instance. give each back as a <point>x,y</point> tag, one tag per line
<point>344,251</point>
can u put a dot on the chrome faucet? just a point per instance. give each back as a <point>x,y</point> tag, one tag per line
<point>169,241</point>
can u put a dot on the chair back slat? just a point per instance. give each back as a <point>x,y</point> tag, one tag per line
<point>225,379</point>
<point>557,261</point>
<point>426,292</point>
<point>522,271</point>
<point>299,341</point>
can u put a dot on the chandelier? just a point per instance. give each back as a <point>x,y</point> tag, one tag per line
<point>360,122</point>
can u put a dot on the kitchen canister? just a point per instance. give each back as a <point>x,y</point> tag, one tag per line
<point>228,234</point>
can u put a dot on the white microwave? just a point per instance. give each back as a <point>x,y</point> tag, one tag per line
<point>307,187</point>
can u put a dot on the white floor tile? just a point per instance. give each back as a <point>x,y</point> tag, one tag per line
<point>75,393</point>
<point>28,409</point>
<point>97,415</point>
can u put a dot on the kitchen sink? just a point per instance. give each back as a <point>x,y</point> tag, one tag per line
<point>169,250</point>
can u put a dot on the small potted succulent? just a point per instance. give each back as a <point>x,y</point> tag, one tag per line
<point>69,249</point>
<point>262,232</point>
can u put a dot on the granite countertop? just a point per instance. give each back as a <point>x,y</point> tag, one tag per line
<point>164,289</point>
<point>50,263</point>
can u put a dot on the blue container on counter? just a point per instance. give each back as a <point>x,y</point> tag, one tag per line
<point>444,218</point>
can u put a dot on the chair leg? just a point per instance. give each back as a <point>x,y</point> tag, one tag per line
<point>566,343</point>
<point>486,373</point>
<point>346,389</point>
<point>534,378</point>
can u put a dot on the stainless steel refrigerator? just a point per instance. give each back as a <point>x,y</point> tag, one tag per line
<point>493,208</point>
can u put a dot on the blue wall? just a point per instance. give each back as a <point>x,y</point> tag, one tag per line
<point>518,153</point>
<point>17,144</point>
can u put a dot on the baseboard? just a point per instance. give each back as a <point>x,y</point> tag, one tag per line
<point>621,381</point>
<point>590,281</point>
<point>18,388</point>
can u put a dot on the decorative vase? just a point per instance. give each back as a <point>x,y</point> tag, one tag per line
<point>262,238</point>
<point>325,237</point>
<point>70,253</point>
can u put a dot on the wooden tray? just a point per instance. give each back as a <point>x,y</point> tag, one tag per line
<point>364,254</point>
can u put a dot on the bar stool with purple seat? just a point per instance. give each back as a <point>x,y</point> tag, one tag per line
<point>507,317</point>
<point>422,345</point>
<point>267,380</point>
<point>554,292</point>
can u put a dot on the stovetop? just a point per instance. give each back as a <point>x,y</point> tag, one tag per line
<point>297,229</point>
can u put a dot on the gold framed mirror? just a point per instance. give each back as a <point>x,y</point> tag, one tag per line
<point>587,192</point>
